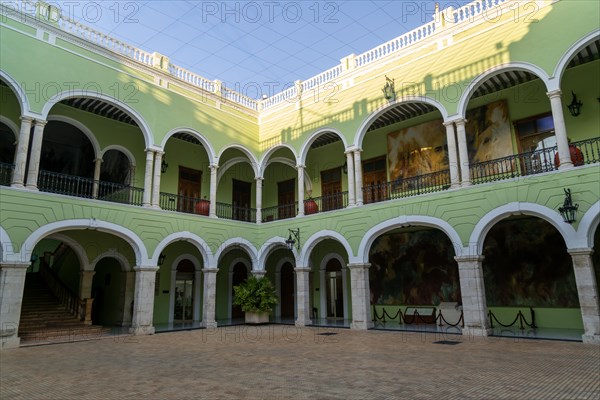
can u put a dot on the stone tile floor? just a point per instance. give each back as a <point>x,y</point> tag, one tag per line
<point>285,362</point>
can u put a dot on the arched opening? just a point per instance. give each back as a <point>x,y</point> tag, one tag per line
<point>279,194</point>
<point>108,292</point>
<point>236,187</point>
<point>334,289</point>
<point>413,279</point>
<point>116,168</point>
<point>529,280</point>
<point>8,142</point>
<point>404,153</point>
<point>183,307</point>
<point>279,266</point>
<point>287,292</point>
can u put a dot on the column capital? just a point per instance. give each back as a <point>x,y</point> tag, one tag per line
<point>159,152</point>
<point>259,273</point>
<point>357,150</point>
<point>15,265</point>
<point>554,93</point>
<point>300,166</point>
<point>81,273</point>
<point>469,258</point>
<point>349,152</point>
<point>259,178</point>
<point>302,269</point>
<point>26,118</point>
<point>148,150</point>
<point>359,266</point>
<point>146,268</point>
<point>580,252</point>
<point>210,270</point>
<point>213,166</point>
<point>40,122</point>
<point>448,123</point>
<point>98,159</point>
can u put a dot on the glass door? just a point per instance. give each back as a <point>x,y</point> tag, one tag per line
<point>184,299</point>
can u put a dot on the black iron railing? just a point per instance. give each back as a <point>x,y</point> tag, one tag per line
<point>407,187</point>
<point>228,211</point>
<point>6,173</point>
<point>185,204</point>
<point>590,150</point>
<point>55,182</point>
<point>277,213</point>
<point>533,162</point>
<point>328,202</point>
<point>120,193</point>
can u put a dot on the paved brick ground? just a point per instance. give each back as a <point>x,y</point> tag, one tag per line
<point>280,362</point>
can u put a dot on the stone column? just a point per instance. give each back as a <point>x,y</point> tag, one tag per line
<point>302,296</point>
<point>12,282</point>
<point>560,129</point>
<point>473,296</point>
<point>452,156</point>
<point>128,298</point>
<point>97,166</point>
<point>197,294</point>
<point>350,164</point>
<point>148,178</point>
<point>156,182</point>
<point>259,182</point>
<point>361,296</point>
<point>172,287</point>
<point>143,300</point>
<point>358,177</point>
<point>300,189</point>
<point>86,278</point>
<point>132,175</point>
<point>587,290</point>
<point>209,301</point>
<point>18,178</point>
<point>36,153</point>
<point>213,190</point>
<point>463,152</point>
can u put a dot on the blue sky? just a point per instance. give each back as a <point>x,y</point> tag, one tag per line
<point>254,44</point>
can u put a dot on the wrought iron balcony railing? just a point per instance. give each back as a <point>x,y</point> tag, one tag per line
<point>120,193</point>
<point>407,187</point>
<point>55,182</point>
<point>277,213</point>
<point>229,211</point>
<point>184,204</point>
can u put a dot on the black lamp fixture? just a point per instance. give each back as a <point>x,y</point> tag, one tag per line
<point>575,106</point>
<point>295,240</point>
<point>388,89</point>
<point>345,168</point>
<point>34,258</point>
<point>568,209</point>
<point>163,166</point>
<point>161,259</point>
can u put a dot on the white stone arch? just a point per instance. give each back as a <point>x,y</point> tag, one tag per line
<point>322,283</point>
<point>141,122</point>
<point>197,241</point>
<point>138,247</point>
<point>291,163</point>
<point>264,161</point>
<point>268,247</point>
<point>196,289</point>
<point>238,260</point>
<point>112,253</point>
<point>496,70</point>
<point>11,125</point>
<point>490,219</point>
<point>362,256</point>
<point>212,157</point>
<point>6,246</point>
<point>313,136</point>
<point>228,164</point>
<point>251,158</point>
<point>587,227</point>
<point>564,60</point>
<point>84,261</point>
<point>18,92</point>
<point>84,129</point>
<point>318,237</point>
<point>236,242</point>
<point>362,130</point>
<point>123,150</point>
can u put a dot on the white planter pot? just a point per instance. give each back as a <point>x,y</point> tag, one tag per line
<point>255,318</point>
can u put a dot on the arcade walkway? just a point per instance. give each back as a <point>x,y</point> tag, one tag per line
<point>282,362</point>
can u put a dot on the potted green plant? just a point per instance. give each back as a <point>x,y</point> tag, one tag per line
<point>257,297</point>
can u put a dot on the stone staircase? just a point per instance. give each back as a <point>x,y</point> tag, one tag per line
<point>44,320</point>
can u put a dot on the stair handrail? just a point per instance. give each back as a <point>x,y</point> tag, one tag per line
<point>71,301</point>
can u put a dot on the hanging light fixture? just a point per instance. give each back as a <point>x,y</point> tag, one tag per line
<point>163,166</point>
<point>295,240</point>
<point>345,168</point>
<point>388,89</point>
<point>575,106</point>
<point>161,259</point>
<point>568,209</point>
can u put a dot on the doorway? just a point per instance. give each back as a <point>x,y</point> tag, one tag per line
<point>286,194</point>
<point>334,289</point>
<point>241,200</point>
<point>189,189</point>
<point>331,189</point>
<point>374,180</point>
<point>287,291</point>
<point>183,306</point>
<point>240,274</point>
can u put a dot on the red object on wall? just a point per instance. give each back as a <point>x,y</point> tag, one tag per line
<point>310,207</point>
<point>576,156</point>
<point>203,207</point>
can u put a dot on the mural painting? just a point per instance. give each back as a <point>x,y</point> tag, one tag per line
<point>526,264</point>
<point>413,268</point>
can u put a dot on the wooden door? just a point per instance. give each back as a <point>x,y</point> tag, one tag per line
<point>189,189</point>
<point>241,200</point>
<point>335,289</point>
<point>374,180</point>
<point>286,194</point>
<point>331,189</point>
<point>287,291</point>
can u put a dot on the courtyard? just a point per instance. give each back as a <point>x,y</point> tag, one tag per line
<point>285,362</point>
